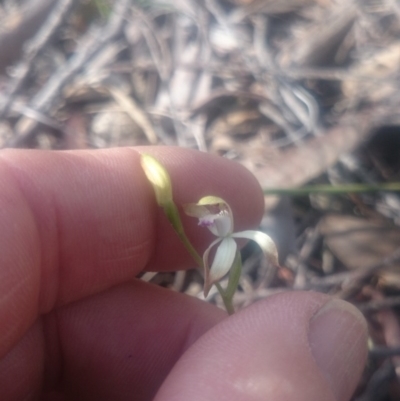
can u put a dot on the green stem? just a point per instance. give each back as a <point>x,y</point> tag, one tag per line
<point>172,213</point>
<point>333,189</point>
<point>234,276</point>
<point>227,301</point>
<point>173,216</point>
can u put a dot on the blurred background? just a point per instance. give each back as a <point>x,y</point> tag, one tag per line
<point>304,93</point>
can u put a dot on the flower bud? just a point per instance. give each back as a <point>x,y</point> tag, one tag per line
<point>159,179</point>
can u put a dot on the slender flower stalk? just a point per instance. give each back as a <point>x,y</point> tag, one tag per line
<point>160,180</point>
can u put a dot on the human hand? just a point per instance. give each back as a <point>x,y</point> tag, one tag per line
<point>77,227</point>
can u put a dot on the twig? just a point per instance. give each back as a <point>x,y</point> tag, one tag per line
<point>312,237</point>
<point>19,108</point>
<point>320,153</point>
<point>380,351</point>
<point>376,304</point>
<point>179,280</point>
<point>162,61</point>
<point>378,385</point>
<point>90,45</point>
<point>133,110</point>
<point>351,282</point>
<point>34,47</point>
<point>355,283</point>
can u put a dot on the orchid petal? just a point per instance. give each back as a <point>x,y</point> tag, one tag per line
<point>222,262</point>
<point>264,241</point>
<point>207,265</point>
<point>213,213</point>
<point>211,200</point>
<point>223,225</point>
<point>224,220</point>
<point>196,210</point>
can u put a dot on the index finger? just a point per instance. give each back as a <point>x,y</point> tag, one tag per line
<point>76,223</point>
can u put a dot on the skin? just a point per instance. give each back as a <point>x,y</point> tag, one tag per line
<point>77,227</point>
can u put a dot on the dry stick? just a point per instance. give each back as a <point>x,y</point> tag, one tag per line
<point>321,37</point>
<point>90,45</point>
<point>159,52</point>
<point>203,82</point>
<point>268,107</point>
<point>378,384</point>
<point>179,280</point>
<point>162,61</point>
<point>301,103</point>
<point>312,237</point>
<point>266,7</point>
<point>395,7</point>
<point>220,69</point>
<point>295,73</point>
<point>287,96</point>
<point>19,26</point>
<point>320,152</point>
<point>390,327</point>
<point>33,48</point>
<point>134,111</point>
<point>377,304</point>
<point>19,107</point>
<point>353,280</point>
<point>380,351</point>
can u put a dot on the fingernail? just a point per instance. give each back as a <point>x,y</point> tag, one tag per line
<point>338,341</point>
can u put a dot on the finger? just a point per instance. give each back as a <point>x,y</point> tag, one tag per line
<point>193,179</point>
<point>293,346</point>
<point>21,369</point>
<point>121,344</point>
<point>117,345</point>
<point>76,223</point>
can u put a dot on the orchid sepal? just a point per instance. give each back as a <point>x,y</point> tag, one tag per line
<point>234,276</point>
<point>264,241</point>
<point>222,263</point>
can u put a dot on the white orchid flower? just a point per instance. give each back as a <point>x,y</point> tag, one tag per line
<point>215,214</point>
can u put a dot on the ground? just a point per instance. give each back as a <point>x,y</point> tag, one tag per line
<point>304,93</point>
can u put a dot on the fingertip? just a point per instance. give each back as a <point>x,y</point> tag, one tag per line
<point>263,352</point>
<point>126,340</point>
<point>338,340</point>
<point>76,223</point>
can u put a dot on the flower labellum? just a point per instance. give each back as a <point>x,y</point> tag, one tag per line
<point>215,214</point>
<point>158,177</point>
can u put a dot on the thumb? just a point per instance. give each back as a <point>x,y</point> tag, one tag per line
<point>291,346</point>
